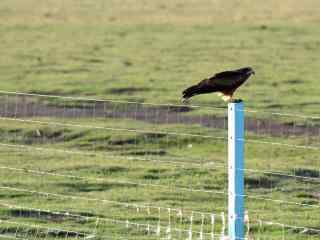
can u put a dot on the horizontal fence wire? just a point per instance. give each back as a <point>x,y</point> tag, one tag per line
<point>157,132</point>
<point>176,188</point>
<point>297,115</point>
<point>207,165</point>
<point>107,100</point>
<point>111,129</point>
<point>104,219</point>
<point>147,226</point>
<point>286,114</point>
<point>26,230</point>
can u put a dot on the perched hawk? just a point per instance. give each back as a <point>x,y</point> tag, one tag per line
<point>224,83</point>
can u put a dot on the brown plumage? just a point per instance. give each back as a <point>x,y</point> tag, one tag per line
<point>224,83</point>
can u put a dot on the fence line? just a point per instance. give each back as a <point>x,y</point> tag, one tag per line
<point>182,189</point>
<point>281,144</point>
<point>42,227</point>
<point>111,100</point>
<point>111,129</point>
<point>125,204</point>
<point>286,114</point>
<point>135,158</point>
<point>147,226</point>
<point>287,226</point>
<point>206,165</point>
<point>11,237</point>
<point>104,219</point>
<point>283,174</point>
<point>158,132</point>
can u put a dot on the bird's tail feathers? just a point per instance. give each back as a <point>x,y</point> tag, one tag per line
<point>190,92</point>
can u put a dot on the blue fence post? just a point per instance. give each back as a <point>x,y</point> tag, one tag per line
<point>235,171</point>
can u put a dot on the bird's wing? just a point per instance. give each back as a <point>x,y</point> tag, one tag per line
<point>218,82</point>
<point>225,79</point>
<point>225,82</point>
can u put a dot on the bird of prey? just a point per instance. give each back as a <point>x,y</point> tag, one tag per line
<point>223,83</point>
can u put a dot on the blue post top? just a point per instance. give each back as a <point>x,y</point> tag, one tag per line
<point>236,118</point>
<point>238,105</point>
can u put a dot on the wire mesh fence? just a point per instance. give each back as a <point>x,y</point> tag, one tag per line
<point>101,169</point>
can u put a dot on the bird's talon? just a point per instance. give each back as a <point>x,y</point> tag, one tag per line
<point>185,101</point>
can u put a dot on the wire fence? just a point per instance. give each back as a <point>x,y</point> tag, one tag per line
<point>102,169</point>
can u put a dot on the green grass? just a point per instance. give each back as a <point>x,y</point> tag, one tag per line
<point>148,51</point>
<point>61,49</point>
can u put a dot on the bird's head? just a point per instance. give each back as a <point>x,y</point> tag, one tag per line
<point>248,70</point>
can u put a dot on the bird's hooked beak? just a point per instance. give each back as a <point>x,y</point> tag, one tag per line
<point>253,72</point>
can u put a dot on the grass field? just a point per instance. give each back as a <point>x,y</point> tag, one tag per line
<point>141,49</point>
<point>79,165</point>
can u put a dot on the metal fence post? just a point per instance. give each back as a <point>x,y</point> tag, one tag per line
<point>235,172</point>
